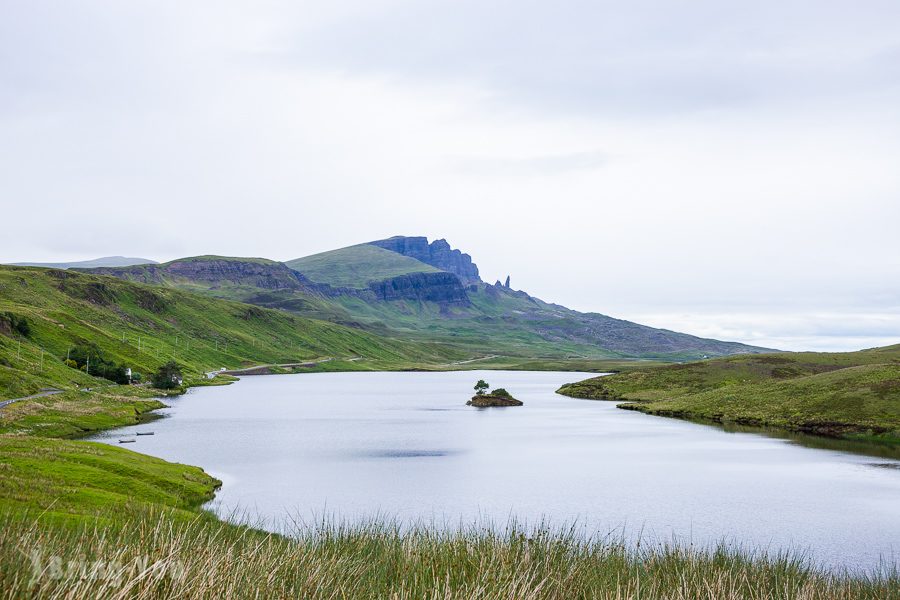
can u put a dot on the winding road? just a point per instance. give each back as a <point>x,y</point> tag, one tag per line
<point>41,394</point>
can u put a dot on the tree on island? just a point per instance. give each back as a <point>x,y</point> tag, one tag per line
<point>481,387</point>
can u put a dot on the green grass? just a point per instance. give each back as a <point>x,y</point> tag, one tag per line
<point>74,413</point>
<point>144,326</point>
<point>357,266</point>
<point>201,558</point>
<point>63,481</point>
<point>849,394</point>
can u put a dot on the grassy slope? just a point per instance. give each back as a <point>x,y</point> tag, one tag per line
<point>356,266</point>
<point>840,394</point>
<point>68,481</point>
<point>156,324</point>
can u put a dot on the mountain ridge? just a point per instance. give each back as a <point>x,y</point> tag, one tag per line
<point>383,286</point>
<point>104,261</point>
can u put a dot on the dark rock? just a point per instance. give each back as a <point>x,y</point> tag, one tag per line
<point>267,275</point>
<point>438,254</point>
<point>443,288</point>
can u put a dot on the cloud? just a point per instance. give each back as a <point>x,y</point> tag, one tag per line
<point>552,164</point>
<point>647,57</point>
<point>822,331</point>
<point>645,158</point>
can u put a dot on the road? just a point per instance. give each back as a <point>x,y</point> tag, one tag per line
<point>40,394</point>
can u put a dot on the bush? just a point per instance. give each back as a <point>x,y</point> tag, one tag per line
<point>168,376</point>
<point>13,323</point>
<point>89,358</point>
<point>501,392</point>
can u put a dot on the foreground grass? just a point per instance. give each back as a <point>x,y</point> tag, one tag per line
<point>850,394</point>
<point>149,554</point>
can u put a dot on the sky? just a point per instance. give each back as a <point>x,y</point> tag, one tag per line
<point>728,169</point>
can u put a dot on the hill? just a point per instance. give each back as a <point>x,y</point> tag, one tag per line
<point>843,394</point>
<point>357,266</point>
<point>106,261</point>
<point>45,313</point>
<point>407,287</point>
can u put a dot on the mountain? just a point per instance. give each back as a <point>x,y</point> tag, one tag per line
<point>106,261</point>
<point>258,281</point>
<point>356,266</point>
<point>408,287</point>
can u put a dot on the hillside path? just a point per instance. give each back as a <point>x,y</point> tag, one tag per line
<point>41,394</point>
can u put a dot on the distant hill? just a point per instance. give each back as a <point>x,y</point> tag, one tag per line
<point>44,313</point>
<point>106,261</point>
<point>410,288</point>
<point>357,266</point>
<point>837,394</point>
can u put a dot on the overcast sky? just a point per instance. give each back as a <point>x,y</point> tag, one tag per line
<point>730,169</point>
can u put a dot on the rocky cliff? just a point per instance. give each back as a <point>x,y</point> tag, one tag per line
<point>442,288</point>
<point>216,271</point>
<point>438,254</point>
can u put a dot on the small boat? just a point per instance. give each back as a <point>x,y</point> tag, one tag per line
<point>127,441</point>
<point>144,433</point>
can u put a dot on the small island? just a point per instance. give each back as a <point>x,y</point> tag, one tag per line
<point>497,397</point>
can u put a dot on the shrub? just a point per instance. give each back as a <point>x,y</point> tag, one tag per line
<point>168,376</point>
<point>89,358</point>
<point>13,323</point>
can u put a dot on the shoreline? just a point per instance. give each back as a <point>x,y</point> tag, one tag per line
<point>711,561</point>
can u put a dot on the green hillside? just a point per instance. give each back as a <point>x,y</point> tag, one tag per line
<point>845,394</point>
<point>395,295</point>
<point>144,326</point>
<point>356,266</point>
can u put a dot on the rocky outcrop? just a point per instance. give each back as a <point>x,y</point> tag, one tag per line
<point>489,400</point>
<point>438,254</point>
<point>442,288</point>
<point>258,273</point>
<point>265,275</point>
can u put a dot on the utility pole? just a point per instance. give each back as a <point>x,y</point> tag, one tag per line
<point>87,366</point>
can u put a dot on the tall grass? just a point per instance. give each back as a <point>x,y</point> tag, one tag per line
<point>148,554</point>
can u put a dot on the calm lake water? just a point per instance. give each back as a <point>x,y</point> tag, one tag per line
<point>405,446</point>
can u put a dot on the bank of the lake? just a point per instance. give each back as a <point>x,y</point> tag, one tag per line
<point>352,445</point>
<point>83,501</point>
<point>851,395</point>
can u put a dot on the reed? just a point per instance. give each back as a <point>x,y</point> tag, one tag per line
<point>147,553</point>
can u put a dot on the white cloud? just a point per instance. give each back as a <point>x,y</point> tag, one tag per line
<point>642,160</point>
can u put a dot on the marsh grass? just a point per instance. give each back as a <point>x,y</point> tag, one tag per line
<point>149,554</point>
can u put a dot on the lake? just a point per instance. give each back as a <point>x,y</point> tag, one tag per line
<point>405,446</point>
